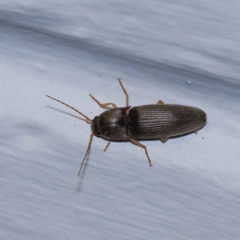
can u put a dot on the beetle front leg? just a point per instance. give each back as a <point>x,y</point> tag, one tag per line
<point>105,149</point>
<point>125,92</point>
<point>103,105</point>
<point>142,146</point>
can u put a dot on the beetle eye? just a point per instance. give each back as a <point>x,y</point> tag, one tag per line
<point>95,126</point>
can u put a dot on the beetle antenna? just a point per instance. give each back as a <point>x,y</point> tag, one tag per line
<point>88,149</point>
<point>88,120</point>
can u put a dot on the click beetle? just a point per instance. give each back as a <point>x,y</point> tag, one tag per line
<point>147,122</point>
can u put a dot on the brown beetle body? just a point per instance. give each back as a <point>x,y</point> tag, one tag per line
<point>147,122</point>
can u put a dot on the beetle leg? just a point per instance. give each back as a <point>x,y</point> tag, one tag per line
<point>103,105</point>
<point>163,139</point>
<point>160,102</point>
<point>124,90</point>
<point>87,152</point>
<point>105,149</point>
<point>142,146</point>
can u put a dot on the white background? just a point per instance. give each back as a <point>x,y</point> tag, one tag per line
<point>182,52</point>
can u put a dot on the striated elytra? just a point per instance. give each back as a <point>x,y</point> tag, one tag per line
<point>148,122</point>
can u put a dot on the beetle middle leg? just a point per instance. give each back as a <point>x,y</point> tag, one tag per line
<point>103,105</point>
<point>142,146</point>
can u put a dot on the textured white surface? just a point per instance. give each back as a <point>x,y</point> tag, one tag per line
<point>179,52</point>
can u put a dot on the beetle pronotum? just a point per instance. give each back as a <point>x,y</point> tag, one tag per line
<point>147,122</point>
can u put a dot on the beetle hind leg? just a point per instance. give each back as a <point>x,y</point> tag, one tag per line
<point>163,139</point>
<point>142,146</point>
<point>160,102</point>
<point>103,105</point>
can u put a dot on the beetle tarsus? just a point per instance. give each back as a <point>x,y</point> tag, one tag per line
<point>142,146</point>
<point>88,149</point>
<point>105,149</point>
<point>125,92</point>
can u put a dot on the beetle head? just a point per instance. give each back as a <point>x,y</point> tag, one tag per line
<point>111,124</point>
<point>95,126</point>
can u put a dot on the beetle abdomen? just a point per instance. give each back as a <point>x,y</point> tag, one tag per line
<point>169,120</point>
